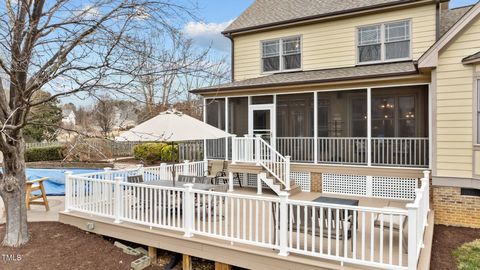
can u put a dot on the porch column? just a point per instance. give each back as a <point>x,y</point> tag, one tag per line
<point>315,128</point>
<point>226,128</point>
<point>369,126</point>
<point>204,120</point>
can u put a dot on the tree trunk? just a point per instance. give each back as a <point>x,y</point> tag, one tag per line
<point>12,191</point>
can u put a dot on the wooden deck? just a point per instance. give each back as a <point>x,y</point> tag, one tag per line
<point>247,255</point>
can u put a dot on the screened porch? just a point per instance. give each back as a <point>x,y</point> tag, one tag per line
<point>386,126</point>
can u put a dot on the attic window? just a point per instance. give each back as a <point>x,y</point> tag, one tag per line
<point>281,54</point>
<point>384,42</point>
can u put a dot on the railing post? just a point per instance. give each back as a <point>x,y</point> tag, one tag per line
<point>68,190</point>
<point>188,210</point>
<point>287,173</point>
<point>257,149</point>
<point>118,200</point>
<point>283,233</point>
<point>245,145</point>
<point>234,149</point>
<point>230,181</point>
<point>140,169</point>
<point>412,236</point>
<point>260,177</point>
<point>108,173</point>
<point>186,168</point>
<point>163,171</point>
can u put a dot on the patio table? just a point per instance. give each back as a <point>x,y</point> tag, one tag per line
<point>168,183</point>
<point>333,200</point>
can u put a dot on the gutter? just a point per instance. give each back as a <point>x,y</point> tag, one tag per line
<point>299,83</point>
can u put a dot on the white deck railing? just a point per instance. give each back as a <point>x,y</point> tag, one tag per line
<point>257,150</point>
<point>396,152</point>
<point>370,236</point>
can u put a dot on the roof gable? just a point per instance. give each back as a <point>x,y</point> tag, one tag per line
<point>263,13</point>
<point>430,57</point>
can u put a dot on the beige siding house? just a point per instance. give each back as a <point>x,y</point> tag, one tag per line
<point>346,93</point>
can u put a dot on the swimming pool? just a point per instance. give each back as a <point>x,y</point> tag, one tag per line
<point>55,185</point>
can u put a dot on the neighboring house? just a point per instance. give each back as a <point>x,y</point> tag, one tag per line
<point>358,93</point>
<point>68,117</point>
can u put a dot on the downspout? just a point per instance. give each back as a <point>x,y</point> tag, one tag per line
<point>232,62</point>
<point>437,19</point>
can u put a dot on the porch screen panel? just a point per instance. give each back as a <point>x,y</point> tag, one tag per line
<point>216,112</point>
<point>238,116</point>
<point>295,126</point>
<point>215,116</point>
<point>342,127</point>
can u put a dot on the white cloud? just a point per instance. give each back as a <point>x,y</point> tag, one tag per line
<point>208,34</point>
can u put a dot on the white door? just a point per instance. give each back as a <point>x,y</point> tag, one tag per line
<point>262,121</point>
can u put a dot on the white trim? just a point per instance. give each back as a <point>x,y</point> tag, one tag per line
<point>369,127</point>
<point>226,128</point>
<point>430,125</point>
<point>315,127</point>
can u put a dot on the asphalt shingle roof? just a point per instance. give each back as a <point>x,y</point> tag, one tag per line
<point>449,17</point>
<point>318,76</point>
<point>473,57</point>
<point>267,12</point>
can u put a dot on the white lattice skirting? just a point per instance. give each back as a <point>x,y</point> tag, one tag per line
<point>370,186</point>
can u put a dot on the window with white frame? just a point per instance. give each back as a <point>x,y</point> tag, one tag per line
<point>384,42</point>
<point>281,54</point>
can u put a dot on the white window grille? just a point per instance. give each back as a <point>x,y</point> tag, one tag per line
<point>283,54</point>
<point>384,42</point>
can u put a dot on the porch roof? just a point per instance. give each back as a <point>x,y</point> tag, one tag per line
<point>318,76</point>
<point>474,58</point>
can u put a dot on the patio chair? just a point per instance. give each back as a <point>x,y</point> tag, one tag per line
<point>136,179</point>
<point>202,180</point>
<point>344,221</point>
<point>396,224</point>
<point>186,179</point>
<point>216,169</point>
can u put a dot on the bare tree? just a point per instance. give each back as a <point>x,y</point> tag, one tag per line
<point>161,69</point>
<point>104,115</point>
<point>65,47</point>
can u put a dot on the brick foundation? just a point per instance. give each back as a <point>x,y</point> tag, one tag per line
<point>316,182</point>
<point>451,208</point>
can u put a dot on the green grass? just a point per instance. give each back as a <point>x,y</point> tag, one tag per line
<point>468,256</point>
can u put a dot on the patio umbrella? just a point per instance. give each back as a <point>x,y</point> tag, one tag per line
<point>172,126</point>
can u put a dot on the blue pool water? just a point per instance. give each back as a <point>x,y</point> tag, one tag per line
<point>55,185</point>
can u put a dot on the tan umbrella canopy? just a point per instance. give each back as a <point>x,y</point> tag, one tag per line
<point>172,126</point>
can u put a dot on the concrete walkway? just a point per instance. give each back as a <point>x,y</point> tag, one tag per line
<point>38,213</point>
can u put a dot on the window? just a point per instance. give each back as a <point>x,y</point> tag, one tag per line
<point>470,192</point>
<point>281,54</point>
<point>384,42</point>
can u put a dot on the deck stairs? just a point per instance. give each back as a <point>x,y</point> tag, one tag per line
<point>275,185</point>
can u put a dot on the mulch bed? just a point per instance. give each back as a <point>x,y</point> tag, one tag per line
<point>445,240</point>
<point>58,246</point>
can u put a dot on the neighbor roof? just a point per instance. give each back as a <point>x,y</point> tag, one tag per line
<point>264,13</point>
<point>449,17</point>
<point>318,76</point>
<point>474,58</point>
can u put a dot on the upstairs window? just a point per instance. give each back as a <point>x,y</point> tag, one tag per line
<point>384,42</point>
<point>281,54</point>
